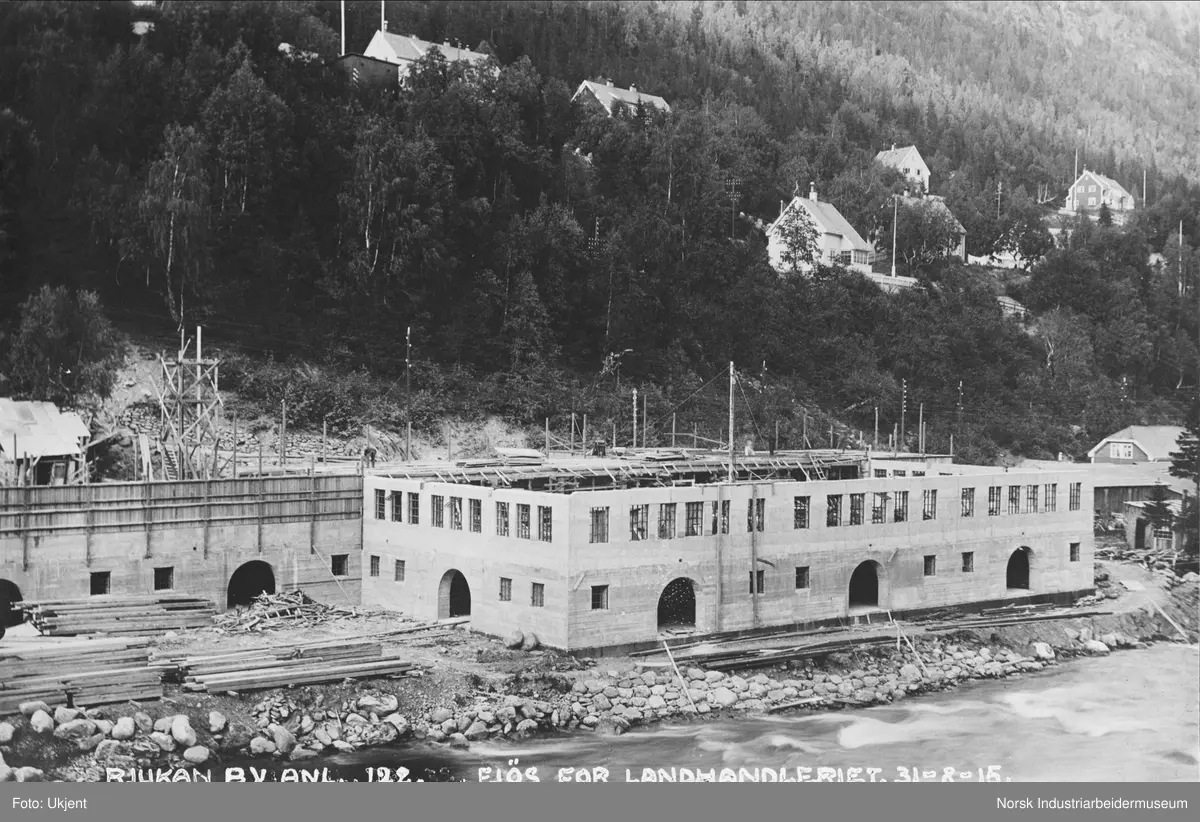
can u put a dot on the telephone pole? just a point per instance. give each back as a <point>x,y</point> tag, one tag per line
<point>731,379</point>
<point>903,407</point>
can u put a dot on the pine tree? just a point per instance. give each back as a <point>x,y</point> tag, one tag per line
<point>1185,462</point>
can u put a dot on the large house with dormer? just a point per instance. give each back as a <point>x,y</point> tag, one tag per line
<point>603,93</point>
<point>837,241</point>
<point>1093,190</point>
<point>389,58</point>
<point>907,160</point>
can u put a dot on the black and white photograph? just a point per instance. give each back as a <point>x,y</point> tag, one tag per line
<point>600,391</point>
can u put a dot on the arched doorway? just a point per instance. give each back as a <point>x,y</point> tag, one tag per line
<point>10,612</point>
<point>248,581</point>
<point>864,585</point>
<point>454,595</point>
<point>677,604</point>
<point>1017,575</point>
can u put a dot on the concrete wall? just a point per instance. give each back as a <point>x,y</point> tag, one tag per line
<point>53,539</point>
<point>430,553</point>
<point>719,564</point>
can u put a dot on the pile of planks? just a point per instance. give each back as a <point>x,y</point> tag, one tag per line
<point>291,609</point>
<point>281,666</point>
<point>83,674</point>
<point>139,615</point>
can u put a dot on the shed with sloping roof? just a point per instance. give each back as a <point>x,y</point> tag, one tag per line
<point>41,445</point>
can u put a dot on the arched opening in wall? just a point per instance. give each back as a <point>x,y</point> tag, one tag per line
<point>677,604</point>
<point>10,598</point>
<point>454,595</point>
<point>1017,576</point>
<point>864,585</point>
<point>248,581</point>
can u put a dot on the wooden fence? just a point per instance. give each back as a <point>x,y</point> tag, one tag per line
<point>179,504</point>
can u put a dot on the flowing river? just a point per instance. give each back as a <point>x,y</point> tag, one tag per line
<point>1128,717</point>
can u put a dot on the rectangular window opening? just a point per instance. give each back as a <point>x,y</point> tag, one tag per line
<point>537,597</point>
<point>374,565</point>
<point>599,597</point>
<point>833,510</point>
<point>397,506</point>
<point>100,583</point>
<point>398,574</point>
<point>857,504</point>
<point>801,577</point>
<point>476,515</point>
<point>639,522</point>
<point>968,502</point>
<point>380,503</point>
<point>522,521</point>
<point>666,520</point>
<point>800,506</point>
<point>340,564</point>
<point>694,519</point>
<point>501,519</point>
<point>1074,552</point>
<point>505,589</point>
<point>164,579</point>
<point>968,559</point>
<point>929,504</point>
<point>901,508</point>
<point>599,525</point>
<point>930,565</point>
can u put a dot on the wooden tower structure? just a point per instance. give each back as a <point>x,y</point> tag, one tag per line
<point>190,403</point>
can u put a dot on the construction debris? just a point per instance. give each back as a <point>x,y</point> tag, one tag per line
<point>287,610</point>
<point>282,666</point>
<point>120,615</point>
<point>78,674</point>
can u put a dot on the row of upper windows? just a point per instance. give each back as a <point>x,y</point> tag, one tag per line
<point>885,507</point>
<point>448,512</point>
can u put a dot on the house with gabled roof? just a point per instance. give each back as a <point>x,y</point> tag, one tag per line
<point>908,161</point>
<point>389,58</point>
<point>610,97</point>
<point>837,241</point>
<point>1093,190</point>
<point>1138,443</point>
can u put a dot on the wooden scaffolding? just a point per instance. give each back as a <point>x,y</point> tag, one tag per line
<point>191,405</point>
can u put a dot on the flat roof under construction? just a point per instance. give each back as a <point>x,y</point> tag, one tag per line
<point>636,468</point>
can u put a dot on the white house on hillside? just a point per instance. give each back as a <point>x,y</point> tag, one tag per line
<point>837,241</point>
<point>907,161</point>
<point>404,50</point>
<point>609,96</point>
<point>1093,190</point>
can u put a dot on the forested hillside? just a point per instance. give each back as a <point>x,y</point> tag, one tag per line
<point>548,257</point>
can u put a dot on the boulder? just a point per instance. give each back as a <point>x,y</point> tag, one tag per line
<point>29,775</point>
<point>181,730</point>
<point>197,754</point>
<point>385,704</point>
<point>612,725</point>
<point>285,740</point>
<point>459,741</point>
<point>143,721</point>
<point>514,641</point>
<point>110,750</point>
<point>261,746</point>
<point>41,722</point>
<point>89,743</point>
<point>722,697</point>
<point>526,727</point>
<point>164,741</point>
<point>343,746</point>
<point>656,702</point>
<point>441,715</point>
<point>216,722</point>
<point>7,774</point>
<point>28,709</point>
<point>301,753</point>
<point>478,730</point>
<point>1042,650</point>
<point>7,733</point>
<point>236,737</point>
<point>104,726</point>
<point>1095,646</point>
<point>64,714</point>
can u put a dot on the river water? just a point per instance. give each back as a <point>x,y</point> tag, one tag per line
<point>1132,716</point>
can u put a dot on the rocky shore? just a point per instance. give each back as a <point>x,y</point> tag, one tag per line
<point>291,725</point>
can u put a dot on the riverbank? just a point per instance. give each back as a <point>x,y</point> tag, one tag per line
<point>473,690</point>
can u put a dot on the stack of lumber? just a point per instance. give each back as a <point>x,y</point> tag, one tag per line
<point>86,673</point>
<point>263,668</point>
<point>290,610</point>
<point>120,615</point>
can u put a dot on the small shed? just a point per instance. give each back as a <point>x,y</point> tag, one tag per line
<point>1139,534</point>
<point>40,445</point>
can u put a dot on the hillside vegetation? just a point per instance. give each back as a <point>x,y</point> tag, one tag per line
<point>548,258</point>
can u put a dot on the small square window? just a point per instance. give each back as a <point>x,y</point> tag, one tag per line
<point>801,577</point>
<point>599,597</point>
<point>968,565</point>
<point>538,595</point>
<point>399,572</point>
<point>101,581</point>
<point>505,589</point>
<point>340,564</point>
<point>374,565</point>
<point>164,579</point>
<point>1074,552</point>
<point>930,566</point>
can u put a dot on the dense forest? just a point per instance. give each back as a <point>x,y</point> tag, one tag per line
<point>547,257</point>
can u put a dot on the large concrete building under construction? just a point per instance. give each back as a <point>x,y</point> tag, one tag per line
<point>603,554</point>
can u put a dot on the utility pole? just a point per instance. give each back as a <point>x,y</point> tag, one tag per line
<point>383,15</point>
<point>635,418</point>
<point>645,401</point>
<point>895,216</point>
<point>921,425</point>
<point>343,28</point>
<point>999,189</point>
<point>875,445</point>
<point>408,393</point>
<point>731,379</point>
<point>903,407</point>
